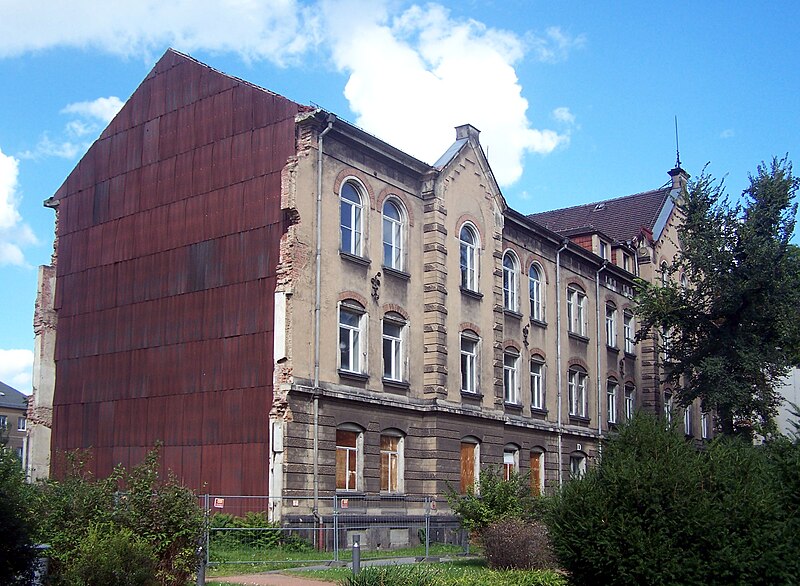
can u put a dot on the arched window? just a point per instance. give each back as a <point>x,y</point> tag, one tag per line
<point>392,461</point>
<point>611,399</point>
<point>510,282</point>
<point>664,273</point>
<point>611,325</point>
<point>577,464</point>
<point>577,383</point>
<point>576,310</point>
<point>628,331</point>
<point>394,326</point>
<point>349,457</point>
<point>470,464</point>
<point>510,461</point>
<point>537,471</point>
<point>511,376</point>
<point>393,235</point>
<point>630,401</point>
<point>469,361</point>
<point>536,293</point>
<point>352,323</point>
<point>350,205</point>
<point>468,258</point>
<point>537,382</point>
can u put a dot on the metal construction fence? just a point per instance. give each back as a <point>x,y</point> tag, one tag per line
<point>303,530</point>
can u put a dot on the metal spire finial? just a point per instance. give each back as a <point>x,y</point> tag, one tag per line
<point>677,147</point>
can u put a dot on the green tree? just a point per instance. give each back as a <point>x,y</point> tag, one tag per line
<point>16,522</point>
<point>733,331</point>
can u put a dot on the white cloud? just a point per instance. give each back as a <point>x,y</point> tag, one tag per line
<point>277,30</point>
<point>103,109</point>
<point>727,133</point>
<point>563,114</point>
<point>416,76</point>
<point>64,149</point>
<point>14,233</point>
<point>16,369</point>
<point>555,45</point>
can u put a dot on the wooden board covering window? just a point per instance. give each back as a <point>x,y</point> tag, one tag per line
<point>467,466</point>
<point>346,459</point>
<point>536,474</point>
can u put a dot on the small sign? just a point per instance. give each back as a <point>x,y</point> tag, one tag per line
<point>345,503</point>
<point>219,503</point>
<point>295,503</point>
<point>433,505</point>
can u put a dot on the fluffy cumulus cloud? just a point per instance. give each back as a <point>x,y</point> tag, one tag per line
<point>14,233</point>
<point>16,368</point>
<point>416,75</point>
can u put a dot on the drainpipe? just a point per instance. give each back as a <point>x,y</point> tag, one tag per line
<point>598,345</point>
<point>564,244</point>
<point>317,303</point>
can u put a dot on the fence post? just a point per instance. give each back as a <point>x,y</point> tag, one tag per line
<point>427,526</point>
<point>356,554</point>
<point>335,528</point>
<point>203,546</point>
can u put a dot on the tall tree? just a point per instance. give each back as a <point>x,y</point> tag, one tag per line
<point>733,331</point>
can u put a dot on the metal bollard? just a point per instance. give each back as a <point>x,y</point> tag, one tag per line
<point>356,555</point>
<point>40,567</point>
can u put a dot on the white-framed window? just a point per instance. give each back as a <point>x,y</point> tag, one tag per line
<point>630,404</point>
<point>511,376</point>
<point>536,292</point>
<point>349,458</point>
<point>510,461</point>
<point>684,282</point>
<point>664,270</point>
<point>604,250</point>
<point>392,461</point>
<point>704,425</point>
<point>576,310</point>
<point>537,382</point>
<point>577,465</point>
<point>393,235</point>
<point>469,361</point>
<point>626,262</point>
<point>3,422</point>
<point>537,471</point>
<point>470,464</point>
<point>510,281</point>
<point>468,257</point>
<point>22,423</point>
<point>394,362</point>
<point>350,208</point>
<point>628,331</point>
<point>576,384</point>
<point>687,421</point>
<point>611,399</point>
<point>668,407</point>
<point>611,325</point>
<point>352,350</point>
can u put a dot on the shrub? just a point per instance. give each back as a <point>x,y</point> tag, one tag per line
<point>496,499</point>
<point>515,544</point>
<point>658,511</point>
<point>16,521</point>
<point>111,555</point>
<point>426,575</point>
<point>265,534</point>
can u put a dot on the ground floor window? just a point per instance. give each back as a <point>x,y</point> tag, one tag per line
<point>391,463</point>
<point>510,461</point>
<point>349,449</point>
<point>470,464</point>
<point>537,473</point>
<point>577,465</point>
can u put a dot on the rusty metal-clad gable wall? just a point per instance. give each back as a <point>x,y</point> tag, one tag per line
<point>167,248</point>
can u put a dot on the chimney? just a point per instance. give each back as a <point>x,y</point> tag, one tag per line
<point>679,178</point>
<point>467,131</point>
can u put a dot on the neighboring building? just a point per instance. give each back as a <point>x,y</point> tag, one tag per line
<point>294,307</point>
<point>13,422</point>
<point>787,412</point>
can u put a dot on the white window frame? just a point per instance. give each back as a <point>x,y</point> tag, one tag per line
<point>687,421</point>
<point>611,325</point>
<point>627,331</point>
<point>510,281</point>
<point>476,463</point>
<point>537,382</point>
<point>468,257</point>
<point>511,376</point>
<point>351,219</point>
<point>536,292</point>
<point>510,461</point>
<point>577,385</point>
<point>704,425</point>
<point>469,362</point>
<point>354,479</point>
<point>630,401</point>
<point>353,337</point>
<point>604,250</point>
<point>393,236</point>
<point>576,310</point>
<point>393,350</point>
<point>626,262</point>
<point>577,465</point>
<point>541,463</point>
<point>612,389</point>
<point>22,423</point>
<point>668,406</point>
<point>396,484</point>
<point>3,422</point>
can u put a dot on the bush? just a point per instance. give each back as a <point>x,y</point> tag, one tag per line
<point>426,575</point>
<point>16,521</point>
<point>515,544</point>
<point>111,555</point>
<point>496,499</point>
<point>657,511</point>
<point>265,534</point>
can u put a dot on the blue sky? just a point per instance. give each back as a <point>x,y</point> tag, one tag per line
<point>575,100</point>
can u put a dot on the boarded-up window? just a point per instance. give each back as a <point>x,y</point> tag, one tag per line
<point>467,466</point>
<point>536,473</point>
<point>390,456</point>
<point>346,460</point>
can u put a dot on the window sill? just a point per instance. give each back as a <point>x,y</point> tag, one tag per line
<point>512,313</point>
<point>343,492</point>
<point>397,384</point>
<point>579,420</point>
<point>578,337</point>
<point>359,260</point>
<point>471,395</point>
<point>359,376</point>
<point>538,323</point>
<point>470,293</point>
<point>396,273</point>
<point>613,349</point>
<point>513,406</point>
<point>630,355</point>
<point>539,411</point>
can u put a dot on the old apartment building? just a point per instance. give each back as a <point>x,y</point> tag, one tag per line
<point>295,307</point>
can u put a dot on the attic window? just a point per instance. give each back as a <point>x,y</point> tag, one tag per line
<point>599,207</point>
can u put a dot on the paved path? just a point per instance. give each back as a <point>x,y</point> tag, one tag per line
<point>271,579</point>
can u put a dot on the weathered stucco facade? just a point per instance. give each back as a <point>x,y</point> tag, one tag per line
<point>302,309</point>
